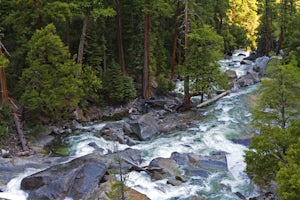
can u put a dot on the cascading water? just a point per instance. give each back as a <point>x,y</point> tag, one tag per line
<point>224,121</point>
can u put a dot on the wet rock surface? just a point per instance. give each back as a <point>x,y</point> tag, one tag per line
<point>188,163</point>
<point>76,179</point>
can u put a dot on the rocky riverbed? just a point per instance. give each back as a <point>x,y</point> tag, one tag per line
<point>138,123</point>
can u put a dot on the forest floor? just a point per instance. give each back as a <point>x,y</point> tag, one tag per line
<point>10,146</point>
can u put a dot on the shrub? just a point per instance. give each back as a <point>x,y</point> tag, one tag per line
<point>164,85</point>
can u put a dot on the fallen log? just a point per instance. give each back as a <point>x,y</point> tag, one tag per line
<point>20,132</point>
<point>210,101</point>
<point>137,168</point>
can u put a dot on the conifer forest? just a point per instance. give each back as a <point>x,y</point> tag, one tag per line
<point>60,59</point>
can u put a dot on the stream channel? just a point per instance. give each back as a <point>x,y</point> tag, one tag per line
<point>224,122</point>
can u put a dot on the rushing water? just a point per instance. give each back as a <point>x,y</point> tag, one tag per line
<point>227,119</point>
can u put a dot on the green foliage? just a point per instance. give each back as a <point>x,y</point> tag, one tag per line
<point>90,79</point>
<point>288,176</point>
<point>293,39</point>
<point>235,37</point>
<point>3,62</point>
<point>229,41</point>
<point>205,49</point>
<point>277,108</point>
<point>115,190</point>
<point>5,120</point>
<point>52,82</point>
<point>119,88</point>
<point>164,85</point>
<point>38,130</point>
<point>244,15</point>
<point>279,100</point>
<point>265,153</point>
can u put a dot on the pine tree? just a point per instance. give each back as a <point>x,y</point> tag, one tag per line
<point>202,65</point>
<point>50,83</point>
<point>278,106</point>
<point>119,88</point>
<point>288,175</point>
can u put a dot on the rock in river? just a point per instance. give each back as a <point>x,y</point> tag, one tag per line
<point>77,179</point>
<point>145,127</point>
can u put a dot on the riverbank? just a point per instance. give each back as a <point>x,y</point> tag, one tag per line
<point>206,153</point>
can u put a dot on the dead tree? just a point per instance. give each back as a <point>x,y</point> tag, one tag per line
<point>6,100</point>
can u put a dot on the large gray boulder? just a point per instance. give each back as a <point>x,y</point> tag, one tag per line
<point>168,166</point>
<point>113,131</point>
<point>250,78</point>
<point>197,165</point>
<point>124,159</point>
<point>192,165</point>
<point>231,74</point>
<point>146,127</point>
<point>12,167</point>
<point>78,179</point>
<point>261,65</point>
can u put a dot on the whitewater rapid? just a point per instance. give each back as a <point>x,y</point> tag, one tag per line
<point>224,121</point>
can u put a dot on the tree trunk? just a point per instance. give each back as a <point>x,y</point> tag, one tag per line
<point>120,39</point>
<point>3,81</point>
<point>68,31</point>
<point>268,31</point>
<point>187,98</point>
<point>210,101</point>
<point>82,38</point>
<point>3,84</point>
<point>146,73</point>
<point>218,18</point>
<point>20,131</point>
<point>175,41</point>
<point>283,21</point>
<point>5,99</point>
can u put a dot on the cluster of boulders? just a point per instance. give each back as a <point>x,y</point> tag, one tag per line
<point>79,178</point>
<point>255,72</point>
<point>140,120</point>
<point>82,177</point>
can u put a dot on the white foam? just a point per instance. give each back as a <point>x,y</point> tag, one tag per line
<point>80,144</point>
<point>94,127</point>
<point>14,191</point>
<point>159,189</point>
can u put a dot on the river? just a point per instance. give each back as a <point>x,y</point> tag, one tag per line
<point>224,121</point>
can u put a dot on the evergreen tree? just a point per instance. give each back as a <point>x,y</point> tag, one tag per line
<point>266,29</point>
<point>279,95</point>
<point>244,15</point>
<point>203,68</point>
<point>292,41</point>
<point>51,83</point>
<point>119,88</point>
<point>277,106</point>
<point>288,176</point>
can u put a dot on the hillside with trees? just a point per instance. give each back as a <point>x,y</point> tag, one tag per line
<point>58,57</point>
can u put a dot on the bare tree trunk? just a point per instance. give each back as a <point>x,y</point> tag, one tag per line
<point>210,101</point>
<point>146,73</point>
<point>283,21</point>
<point>187,98</point>
<point>3,79</point>
<point>82,38</point>
<point>3,84</point>
<point>68,32</point>
<point>175,41</point>
<point>5,99</point>
<point>268,31</point>
<point>19,128</point>
<point>120,39</point>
